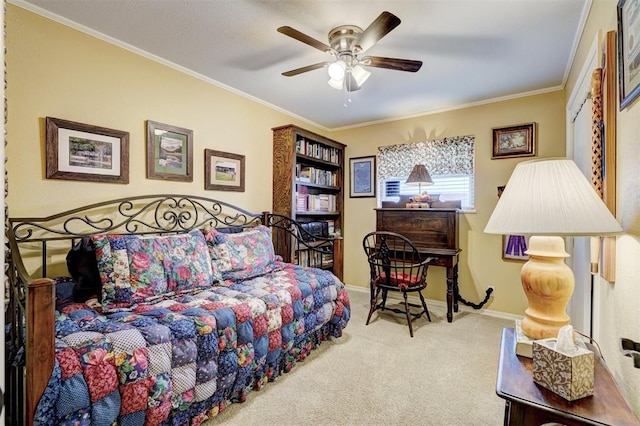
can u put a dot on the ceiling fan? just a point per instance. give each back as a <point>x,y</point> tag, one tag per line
<point>347,44</point>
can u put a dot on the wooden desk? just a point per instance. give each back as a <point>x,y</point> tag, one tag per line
<point>434,232</point>
<point>530,404</point>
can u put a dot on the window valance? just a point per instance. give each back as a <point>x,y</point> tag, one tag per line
<point>448,156</point>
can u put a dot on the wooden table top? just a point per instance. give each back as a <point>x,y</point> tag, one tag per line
<point>607,405</point>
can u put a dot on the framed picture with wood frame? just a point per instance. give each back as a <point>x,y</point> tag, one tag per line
<point>169,152</point>
<point>514,141</point>
<point>223,171</point>
<point>77,151</point>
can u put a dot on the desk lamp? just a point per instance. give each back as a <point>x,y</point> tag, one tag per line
<point>548,199</point>
<point>419,175</point>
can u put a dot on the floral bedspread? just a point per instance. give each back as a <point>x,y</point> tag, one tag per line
<point>182,360</point>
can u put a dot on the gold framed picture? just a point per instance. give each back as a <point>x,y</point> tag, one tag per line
<point>514,141</point>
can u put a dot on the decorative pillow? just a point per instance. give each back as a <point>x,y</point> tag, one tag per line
<point>136,269</point>
<point>220,259</point>
<point>247,250</point>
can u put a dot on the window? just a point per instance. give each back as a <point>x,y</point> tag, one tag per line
<point>449,187</point>
<point>450,162</point>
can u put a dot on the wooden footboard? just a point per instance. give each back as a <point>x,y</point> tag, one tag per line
<point>31,308</point>
<point>40,341</point>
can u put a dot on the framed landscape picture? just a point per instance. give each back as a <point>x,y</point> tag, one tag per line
<point>514,141</point>
<point>169,152</point>
<point>77,151</point>
<point>223,171</point>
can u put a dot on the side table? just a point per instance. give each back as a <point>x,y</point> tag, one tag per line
<point>527,403</point>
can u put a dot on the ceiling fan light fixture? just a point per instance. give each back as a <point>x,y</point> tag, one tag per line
<point>337,84</point>
<point>337,69</point>
<point>360,74</point>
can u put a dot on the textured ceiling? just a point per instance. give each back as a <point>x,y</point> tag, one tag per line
<point>473,51</point>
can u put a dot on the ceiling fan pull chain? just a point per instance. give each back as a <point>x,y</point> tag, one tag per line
<point>347,88</point>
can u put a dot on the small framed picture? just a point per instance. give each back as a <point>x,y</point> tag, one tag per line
<point>362,173</point>
<point>514,247</point>
<point>223,171</point>
<point>77,151</point>
<point>628,52</point>
<point>169,152</point>
<point>514,141</point>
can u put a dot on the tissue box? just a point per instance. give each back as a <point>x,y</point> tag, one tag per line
<point>570,376</point>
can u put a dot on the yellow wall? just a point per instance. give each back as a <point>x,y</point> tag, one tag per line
<point>56,71</point>
<point>70,75</point>
<point>481,263</point>
<point>618,303</point>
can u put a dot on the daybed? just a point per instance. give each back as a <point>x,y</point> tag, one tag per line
<point>173,307</point>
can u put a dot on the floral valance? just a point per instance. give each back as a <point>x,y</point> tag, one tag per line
<point>446,156</point>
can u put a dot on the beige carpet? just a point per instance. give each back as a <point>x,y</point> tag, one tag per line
<point>379,375</point>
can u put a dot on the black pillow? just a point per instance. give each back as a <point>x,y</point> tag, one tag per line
<point>83,267</point>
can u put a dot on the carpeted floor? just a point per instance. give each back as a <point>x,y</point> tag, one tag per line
<point>379,375</point>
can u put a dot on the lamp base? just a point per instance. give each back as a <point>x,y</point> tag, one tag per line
<point>548,284</point>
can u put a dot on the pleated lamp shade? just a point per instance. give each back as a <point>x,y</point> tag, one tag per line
<point>419,175</point>
<point>551,197</point>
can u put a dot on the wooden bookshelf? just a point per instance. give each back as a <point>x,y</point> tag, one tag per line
<point>308,181</point>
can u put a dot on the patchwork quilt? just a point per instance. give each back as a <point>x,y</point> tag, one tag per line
<point>183,359</point>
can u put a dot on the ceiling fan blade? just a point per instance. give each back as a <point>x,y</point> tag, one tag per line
<point>305,69</point>
<point>391,63</point>
<point>379,28</point>
<point>293,33</point>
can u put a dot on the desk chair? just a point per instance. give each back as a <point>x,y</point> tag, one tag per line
<point>395,265</point>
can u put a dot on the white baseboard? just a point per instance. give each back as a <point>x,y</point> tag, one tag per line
<point>443,305</point>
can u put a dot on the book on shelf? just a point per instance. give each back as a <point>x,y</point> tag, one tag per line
<point>305,174</point>
<point>331,225</point>
<point>316,175</point>
<point>314,259</point>
<point>317,150</point>
<point>301,202</point>
<point>321,202</point>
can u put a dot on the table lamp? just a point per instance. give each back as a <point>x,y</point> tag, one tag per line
<point>548,199</point>
<point>418,176</point>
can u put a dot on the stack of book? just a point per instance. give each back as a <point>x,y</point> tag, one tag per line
<point>301,202</point>
<point>315,202</point>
